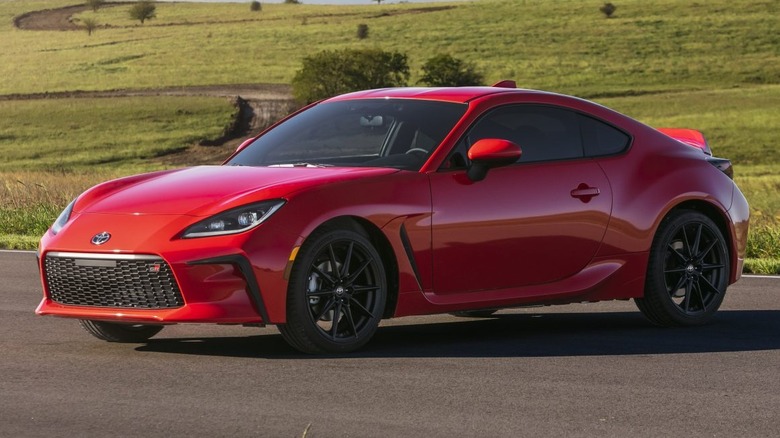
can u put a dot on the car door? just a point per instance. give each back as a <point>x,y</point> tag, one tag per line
<point>534,222</point>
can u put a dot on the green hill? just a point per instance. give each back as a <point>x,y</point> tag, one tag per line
<point>565,46</point>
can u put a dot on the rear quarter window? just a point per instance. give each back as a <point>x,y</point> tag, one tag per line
<point>600,139</point>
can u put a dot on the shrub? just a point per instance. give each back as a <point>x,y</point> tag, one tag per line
<point>445,71</point>
<point>608,9</point>
<point>255,6</point>
<point>292,2</point>
<point>143,10</point>
<point>329,73</point>
<point>89,24</point>
<point>362,31</point>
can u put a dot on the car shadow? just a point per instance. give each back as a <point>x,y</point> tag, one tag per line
<point>518,335</point>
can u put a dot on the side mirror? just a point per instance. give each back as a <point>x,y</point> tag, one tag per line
<point>489,153</point>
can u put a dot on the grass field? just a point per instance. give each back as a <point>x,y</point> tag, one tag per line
<point>565,46</point>
<point>71,135</point>
<point>712,65</point>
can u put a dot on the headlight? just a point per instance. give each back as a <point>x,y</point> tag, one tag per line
<point>63,218</point>
<point>234,221</point>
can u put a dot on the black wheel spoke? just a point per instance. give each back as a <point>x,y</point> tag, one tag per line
<point>345,268</point>
<point>700,295</point>
<point>333,264</point>
<point>709,286</point>
<point>681,257</point>
<point>687,299</point>
<point>334,329</point>
<point>697,241</point>
<point>361,289</point>
<point>701,256</point>
<point>359,271</point>
<point>319,293</point>
<point>328,306</point>
<point>686,243</point>
<point>359,307</point>
<point>325,276</point>
<point>350,320</point>
<point>680,283</point>
<point>708,267</point>
<point>674,270</point>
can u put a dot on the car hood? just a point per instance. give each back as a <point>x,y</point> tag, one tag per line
<point>206,190</point>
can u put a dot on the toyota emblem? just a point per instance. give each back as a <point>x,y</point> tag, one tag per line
<point>100,238</point>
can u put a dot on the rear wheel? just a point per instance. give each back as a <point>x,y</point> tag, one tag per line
<point>336,295</point>
<point>687,273</point>
<point>118,332</point>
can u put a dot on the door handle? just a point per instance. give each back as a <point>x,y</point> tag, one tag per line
<point>585,193</point>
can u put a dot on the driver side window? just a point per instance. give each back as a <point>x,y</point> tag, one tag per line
<point>544,133</point>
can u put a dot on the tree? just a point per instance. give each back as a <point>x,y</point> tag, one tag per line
<point>255,6</point>
<point>292,2</point>
<point>95,4</point>
<point>445,71</point>
<point>329,73</point>
<point>89,24</point>
<point>143,10</point>
<point>608,9</point>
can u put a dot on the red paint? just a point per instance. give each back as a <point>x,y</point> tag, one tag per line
<point>542,232</point>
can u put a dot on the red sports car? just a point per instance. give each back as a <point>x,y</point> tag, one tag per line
<point>406,201</point>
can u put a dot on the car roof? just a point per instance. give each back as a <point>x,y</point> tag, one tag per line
<point>444,94</point>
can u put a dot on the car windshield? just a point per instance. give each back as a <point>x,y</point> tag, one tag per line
<point>397,133</point>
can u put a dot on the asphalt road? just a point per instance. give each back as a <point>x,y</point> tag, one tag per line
<point>578,370</point>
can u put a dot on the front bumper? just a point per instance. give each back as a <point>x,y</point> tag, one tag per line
<point>216,290</point>
<point>231,279</point>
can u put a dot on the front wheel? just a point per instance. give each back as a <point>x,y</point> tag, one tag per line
<point>687,273</point>
<point>336,295</point>
<point>118,332</point>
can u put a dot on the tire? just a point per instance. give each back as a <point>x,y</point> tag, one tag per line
<point>687,272</point>
<point>336,295</point>
<point>118,332</point>
<point>484,313</point>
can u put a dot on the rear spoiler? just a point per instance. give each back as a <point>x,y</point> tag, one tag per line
<point>691,137</point>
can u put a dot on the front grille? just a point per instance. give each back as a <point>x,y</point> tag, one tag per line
<point>134,281</point>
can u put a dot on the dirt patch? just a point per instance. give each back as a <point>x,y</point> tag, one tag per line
<point>52,19</point>
<point>414,11</point>
<point>247,91</point>
<point>62,18</point>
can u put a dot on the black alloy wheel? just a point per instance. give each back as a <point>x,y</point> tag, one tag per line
<point>688,271</point>
<point>336,295</point>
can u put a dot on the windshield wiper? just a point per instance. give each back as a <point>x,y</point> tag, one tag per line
<point>300,165</point>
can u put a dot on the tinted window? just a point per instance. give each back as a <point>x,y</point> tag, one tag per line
<point>398,133</point>
<point>601,139</point>
<point>543,133</point>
